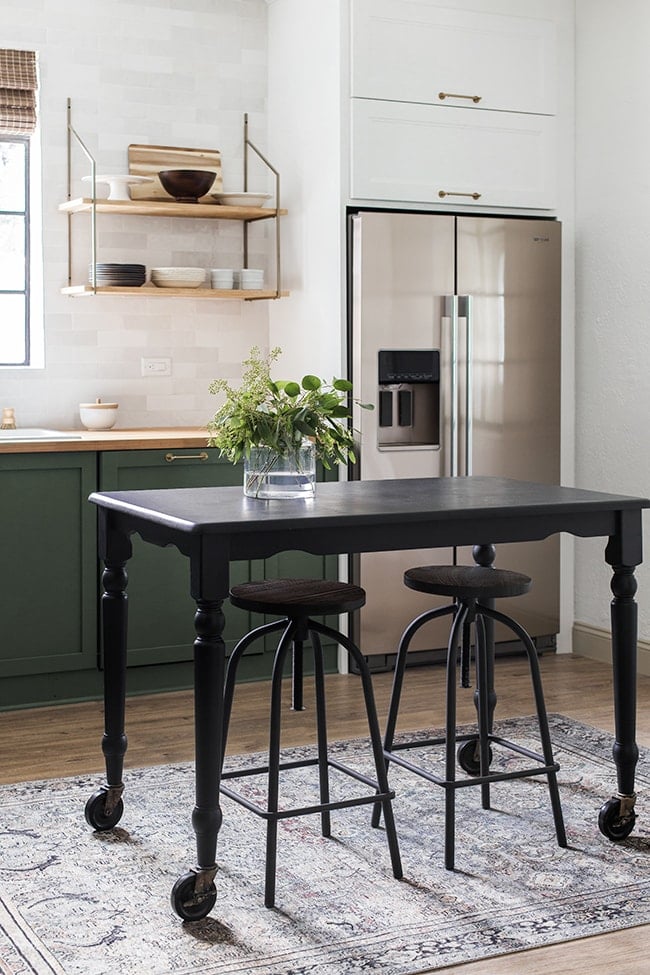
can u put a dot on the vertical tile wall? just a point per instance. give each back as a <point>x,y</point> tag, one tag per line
<point>159,72</point>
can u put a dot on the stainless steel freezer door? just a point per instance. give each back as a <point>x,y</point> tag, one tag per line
<point>511,268</point>
<point>403,266</point>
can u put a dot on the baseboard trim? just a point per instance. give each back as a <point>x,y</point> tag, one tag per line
<point>591,641</point>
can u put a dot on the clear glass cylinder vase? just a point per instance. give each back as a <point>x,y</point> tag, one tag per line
<point>268,474</point>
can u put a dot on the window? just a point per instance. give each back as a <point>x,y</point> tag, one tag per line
<point>18,85</point>
<point>14,251</point>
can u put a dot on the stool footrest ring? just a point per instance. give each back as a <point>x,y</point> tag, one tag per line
<point>267,814</point>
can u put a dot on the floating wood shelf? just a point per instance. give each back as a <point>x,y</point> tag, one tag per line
<point>151,291</point>
<point>162,208</point>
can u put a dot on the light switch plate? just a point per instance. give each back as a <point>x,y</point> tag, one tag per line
<point>156,367</point>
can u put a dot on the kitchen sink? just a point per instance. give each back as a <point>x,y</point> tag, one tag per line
<point>37,433</point>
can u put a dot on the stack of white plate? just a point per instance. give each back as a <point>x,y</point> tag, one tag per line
<point>177,277</point>
<point>251,278</point>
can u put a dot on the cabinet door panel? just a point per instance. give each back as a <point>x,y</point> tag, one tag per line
<point>412,50</point>
<point>412,153</point>
<point>48,598</point>
<point>161,610</point>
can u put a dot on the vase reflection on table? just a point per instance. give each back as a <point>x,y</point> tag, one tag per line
<point>269,475</point>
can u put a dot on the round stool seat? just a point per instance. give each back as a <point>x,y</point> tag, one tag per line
<point>298,597</point>
<point>467,581</point>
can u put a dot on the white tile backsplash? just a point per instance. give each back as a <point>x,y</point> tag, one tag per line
<point>159,73</point>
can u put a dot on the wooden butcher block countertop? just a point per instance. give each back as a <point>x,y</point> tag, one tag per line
<point>144,439</point>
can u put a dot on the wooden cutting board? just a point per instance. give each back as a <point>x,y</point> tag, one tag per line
<point>150,160</point>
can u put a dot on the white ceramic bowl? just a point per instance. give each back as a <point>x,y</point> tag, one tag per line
<point>251,279</point>
<point>221,282</point>
<point>221,277</point>
<point>177,277</point>
<point>241,199</point>
<point>98,416</point>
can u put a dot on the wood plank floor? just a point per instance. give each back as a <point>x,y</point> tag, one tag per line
<point>65,740</point>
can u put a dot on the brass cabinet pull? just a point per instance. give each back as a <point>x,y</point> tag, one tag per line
<point>170,458</point>
<point>444,193</point>
<point>448,94</point>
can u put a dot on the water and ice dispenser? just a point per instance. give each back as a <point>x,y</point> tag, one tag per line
<point>408,399</point>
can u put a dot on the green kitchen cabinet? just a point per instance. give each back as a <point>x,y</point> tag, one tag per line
<point>50,600</point>
<point>161,609</point>
<point>48,597</point>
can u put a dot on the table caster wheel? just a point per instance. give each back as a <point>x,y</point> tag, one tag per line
<point>612,824</point>
<point>96,815</point>
<point>189,905</point>
<point>468,757</point>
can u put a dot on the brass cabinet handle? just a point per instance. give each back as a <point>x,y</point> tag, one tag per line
<point>448,94</point>
<point>170,458</point>
<point>444,193</point>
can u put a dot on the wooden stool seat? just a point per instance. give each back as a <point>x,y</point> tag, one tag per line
<point>467,581</point>
<point>298,597</point>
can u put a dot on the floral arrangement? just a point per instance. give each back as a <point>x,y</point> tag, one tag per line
<point>280,414</point>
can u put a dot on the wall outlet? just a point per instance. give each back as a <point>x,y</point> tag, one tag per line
<point>156,367</point>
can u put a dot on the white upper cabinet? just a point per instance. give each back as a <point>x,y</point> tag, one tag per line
<point>451,157</point>
<point>419,51</point>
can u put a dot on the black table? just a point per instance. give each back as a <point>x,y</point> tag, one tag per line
<point>214,526</point>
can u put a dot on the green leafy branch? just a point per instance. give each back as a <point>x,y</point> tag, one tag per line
<point>280,414</point>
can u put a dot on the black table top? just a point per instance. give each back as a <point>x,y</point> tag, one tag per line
<point>398,501</point>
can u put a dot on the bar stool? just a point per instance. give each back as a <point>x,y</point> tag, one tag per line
<point>296,601</point>
<point>470,587</point>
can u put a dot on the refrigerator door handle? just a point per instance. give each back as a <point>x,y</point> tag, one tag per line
<point>451,312</point>
<point>465,311</point>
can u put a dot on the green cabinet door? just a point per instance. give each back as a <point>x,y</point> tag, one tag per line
<point>48,596</point>
<point>161,609</point>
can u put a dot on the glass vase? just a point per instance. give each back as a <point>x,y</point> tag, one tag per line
<point>269,475</point>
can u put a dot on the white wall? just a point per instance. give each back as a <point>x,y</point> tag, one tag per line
<point>612,277</point>
<point>306,54</point>
<point>161,73</point>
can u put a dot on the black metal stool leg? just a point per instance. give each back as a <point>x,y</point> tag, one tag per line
<point>542,718</point>
<point>483,702</point>
<point>398,680</point>
<point>274,764</point>
<point>321,725</point>
<point>465,654</point>
<point>484,555</point>
<point>455,637</point>
<point>231,671</point>
<point>375,741</point>
<point>297,676</point>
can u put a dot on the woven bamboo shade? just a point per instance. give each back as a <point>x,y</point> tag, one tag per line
<point>18,86</point>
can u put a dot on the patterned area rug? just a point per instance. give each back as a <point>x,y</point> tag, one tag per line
<point>74,902</point>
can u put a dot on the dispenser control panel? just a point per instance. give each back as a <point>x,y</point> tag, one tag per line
<point>408,397</point>
<point>409,366</point>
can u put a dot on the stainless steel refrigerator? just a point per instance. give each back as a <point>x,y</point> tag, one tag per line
<point>454,336</point>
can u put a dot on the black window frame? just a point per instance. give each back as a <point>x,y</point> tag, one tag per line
<point>26,214</point>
